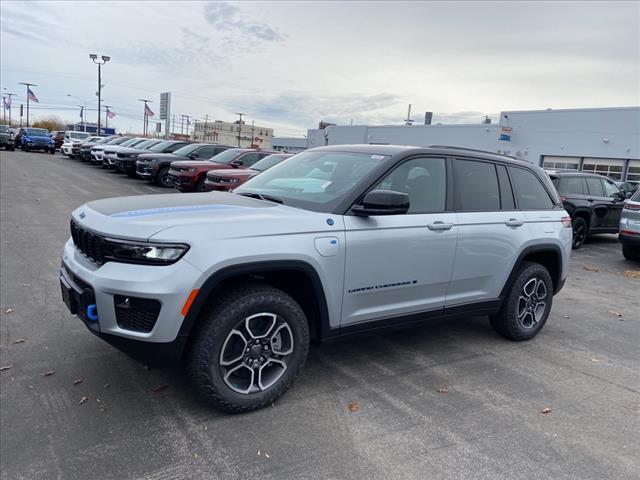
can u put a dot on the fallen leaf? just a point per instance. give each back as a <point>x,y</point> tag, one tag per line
<point>632,273</point>
<point>8,310</point>
<point>83,400</point>
<point>354,407</point>
<point>98,400</point>
<point>442,390</point>
<point>19,340</point>
<point>258,452</point>
<point>545,410</point>
<point>48,373</point>
<point>267,455</point>
<point>26,285</point>
<point>567,316</point>
<point>78,381</point>
<point>37,199</point>
<point>106,385</point>
<point>595,360</point>
<point>617,314</point>
<point>6,367</point>
<point>160,388</point>
<point>103,409</point>
<point>591,268</point>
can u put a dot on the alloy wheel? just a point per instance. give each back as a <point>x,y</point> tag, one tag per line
<point>532,303</point>
<point>256,352</point>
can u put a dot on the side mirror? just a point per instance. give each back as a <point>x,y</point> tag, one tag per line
<point>192,156</point>
<point>628,195</point>
<point>237,163</point>
<point>382,202</point>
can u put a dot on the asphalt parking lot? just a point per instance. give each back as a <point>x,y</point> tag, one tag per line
<point>450,400</point>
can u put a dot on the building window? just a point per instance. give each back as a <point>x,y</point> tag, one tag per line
<point>560,163</point>
<point>608,167</point>
<point>633,175</point>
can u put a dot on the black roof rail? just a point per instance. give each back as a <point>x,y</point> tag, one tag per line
<point>473,150</point>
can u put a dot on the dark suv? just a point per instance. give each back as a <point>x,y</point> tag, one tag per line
<point>593,201</point>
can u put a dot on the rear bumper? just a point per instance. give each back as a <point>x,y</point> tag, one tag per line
<point>633,240</point>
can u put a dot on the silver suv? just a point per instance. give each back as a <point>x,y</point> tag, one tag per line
<point>331,242</point>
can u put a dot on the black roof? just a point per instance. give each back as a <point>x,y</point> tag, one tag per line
<point>403,150</point>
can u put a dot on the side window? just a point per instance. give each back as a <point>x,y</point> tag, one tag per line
<point>476,186</point>
<point>205,153</point>
<point>174,147</point>
<point>423,179</point>
<point>506,194</point>
<point>573,185</point>
<point>529,190</point>
<point>249,159</point>
<point>595,186</point>
<point>610,189</point>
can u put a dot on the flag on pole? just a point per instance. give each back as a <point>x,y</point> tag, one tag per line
<point>110,114</point>
<point>32,96</point>
<point>147,111</point>
<point>7,103</point>
<point>81,111</point>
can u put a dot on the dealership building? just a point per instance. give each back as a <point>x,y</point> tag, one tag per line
<point>599,140</point>
<point>233,133</point>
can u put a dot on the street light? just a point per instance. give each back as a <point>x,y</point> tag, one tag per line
<point>84,110</point>
<point>105,59</point>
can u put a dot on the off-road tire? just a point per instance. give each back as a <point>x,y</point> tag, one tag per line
<point>506,321</point>
<point>580,232</point>
<point>209,335</point>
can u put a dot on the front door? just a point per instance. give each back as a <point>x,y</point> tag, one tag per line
<point>401,264</point>
<point>600,204</point>
<point>616,197</point>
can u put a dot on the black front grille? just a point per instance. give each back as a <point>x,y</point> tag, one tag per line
<point>91,245</point>
<point>136,314</point>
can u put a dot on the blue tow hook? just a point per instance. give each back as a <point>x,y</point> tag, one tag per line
<point>92,313</point>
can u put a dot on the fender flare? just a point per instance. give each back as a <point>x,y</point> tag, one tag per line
<point>541,248</point>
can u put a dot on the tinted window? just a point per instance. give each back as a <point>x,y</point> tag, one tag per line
<point>529,190</point>
<point>206,153</point>
<point>423,179</point>
<point>610,189</point>
<point>506,194</point>
<point>571,186</point>
<point>595,186</point>
<point>476,186</point>
<point>636,196</point>
<point>174,147</point>
<point>249,159</point>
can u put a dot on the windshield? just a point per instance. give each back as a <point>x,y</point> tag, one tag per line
<point>4,129</point>
<point>313,180</point>
<point>36,132</point>
<point>268,162</point>
<point>187,149</point>
<point>131,142</point>
<point>146,144</point>
<point>227,156</point>
<point>78,135</point>
<point>105,140</point>
<point>119,141</point>
<point>161,146</point>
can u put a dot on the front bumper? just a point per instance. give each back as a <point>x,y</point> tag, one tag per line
<point>38,146</point>
<point>125,165</point>
<point>169,285</point>
<point>146,170</point>
<point>185,183</point>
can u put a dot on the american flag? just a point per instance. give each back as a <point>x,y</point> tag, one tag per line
<point>32,96</point>
<point>7,103</point>
<point>110,114</point>
<point>147,111</point>
<point>81,111</point>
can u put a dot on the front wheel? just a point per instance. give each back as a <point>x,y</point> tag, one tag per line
<point>249,347</point>
<point>52,151</point>
<point>526,308</point>
<point>580,228</point>
<point>631,253</point>
<point>163,179</point>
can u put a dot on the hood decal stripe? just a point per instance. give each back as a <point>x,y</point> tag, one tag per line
<point>163,210</point>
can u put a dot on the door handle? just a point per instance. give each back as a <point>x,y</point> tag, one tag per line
<point>589,199</point>
<point>439,226</point>
<point>514,222</point>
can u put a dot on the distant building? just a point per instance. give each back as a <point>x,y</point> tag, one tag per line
<point>600,140</point>
<point>91,128</point>
<point>232,133</point>
<point>289,144</point>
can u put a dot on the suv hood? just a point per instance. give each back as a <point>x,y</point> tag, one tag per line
<point>234,172</point>
<point>127,150</point>
<point>183,216</point>
<point>196,163</point>
<point>160,156</point>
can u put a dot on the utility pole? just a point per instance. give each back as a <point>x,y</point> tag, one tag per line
<point>253,126</point>
<point>408,120</point>
<point>206,120</point>
<point>10,105</point>
<point>239,126</point>
<point>182,117</point>
<point>28,85</point>
<point>105,59</point>
<point>146,117</point>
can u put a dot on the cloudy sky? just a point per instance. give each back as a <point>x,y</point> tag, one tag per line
<point>291,64</point>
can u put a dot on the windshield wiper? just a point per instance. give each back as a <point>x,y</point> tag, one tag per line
<point>261,196</point>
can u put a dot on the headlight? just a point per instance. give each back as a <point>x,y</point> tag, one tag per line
<point>145,253</point>
<point>226,180</point>
<point>192,169</point>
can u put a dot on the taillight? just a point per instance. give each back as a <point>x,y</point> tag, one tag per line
<point>631,206</point>
<point>566,221</point>
<point>629,232</point>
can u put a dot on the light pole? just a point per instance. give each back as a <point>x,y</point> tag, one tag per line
<point>28,85</point>
<point>239,126</point>
<point>84,111</point>
<point>105,59</point>
<point>146,117</point>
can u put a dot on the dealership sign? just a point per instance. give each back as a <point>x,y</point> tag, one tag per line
<point>505,134</point>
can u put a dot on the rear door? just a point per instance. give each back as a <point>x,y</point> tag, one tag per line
<point>401,264</point>
<point>491,231</point>
<point>616,197</point>
<point>600,204</point>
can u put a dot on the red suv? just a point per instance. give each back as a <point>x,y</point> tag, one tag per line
<point>189,176</point>
<point>228,179</point>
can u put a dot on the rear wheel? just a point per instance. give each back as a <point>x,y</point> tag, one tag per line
<point>200,184</point>
<point>580,230</point>
<point>526,308</point>
<point>163,179</point>
<point>631,253</point>
<point>249,347</point>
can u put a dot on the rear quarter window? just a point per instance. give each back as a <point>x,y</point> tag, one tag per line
<point>476,186</point>
<point>529,191</point>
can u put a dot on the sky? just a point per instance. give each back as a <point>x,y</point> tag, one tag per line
<point>289,65</point>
